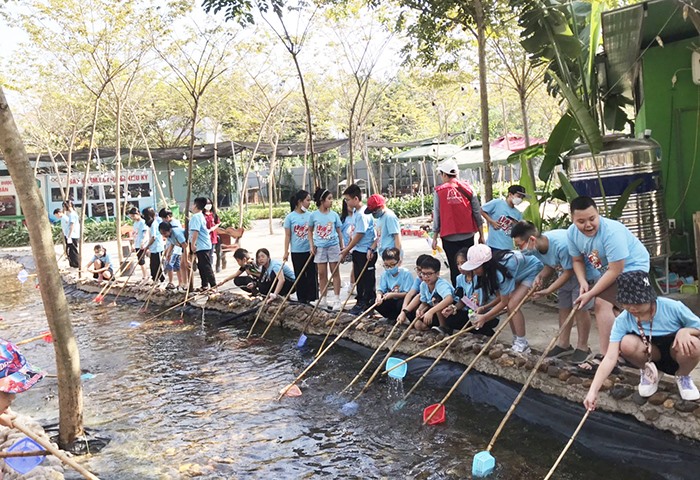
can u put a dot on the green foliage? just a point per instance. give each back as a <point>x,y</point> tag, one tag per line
<point>14,236</point>
<point>104,231</point>
<point>616,210</point>
<point>229,218</point>
<point>18,236</point>
<point>410,205</point>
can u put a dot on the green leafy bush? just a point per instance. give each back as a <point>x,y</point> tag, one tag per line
<point>410,205</point>
<point>229,218</point>
<point>18,236</point>
<point>104,231</point>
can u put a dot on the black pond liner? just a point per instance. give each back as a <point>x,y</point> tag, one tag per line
<point>89,443</point>
<point>614,437</point>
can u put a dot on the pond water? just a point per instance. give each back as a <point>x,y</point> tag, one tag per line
<point>184,399</point>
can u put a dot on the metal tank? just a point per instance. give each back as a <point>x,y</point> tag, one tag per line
<point>621,162</point>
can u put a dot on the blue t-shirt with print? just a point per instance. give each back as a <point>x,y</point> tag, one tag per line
<point>298,226</point>
<point>506,216</point>
<point>402,282</point>
<point>199,224</point>
<point>73,223</point>
<point>65,224</point>
<point>443,288</point>
<point>364,225</point>
<point>324,227</point>
<point>416,284</point>
<point>388,228</point>
<point>558,254</point>
<point>104,259</point>
<point>521,268</point>
<point>611,243</point>
<point>175,223</point>
<point>177,237</point>
<point>671,316</point>
<point>140,230</point>
<point>274,268</point>
<point>468,288</point>
<point>157,246</point>
<point>348,229</point>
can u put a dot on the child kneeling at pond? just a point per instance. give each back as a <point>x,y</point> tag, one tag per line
<point>458,314</point>
<point>435,294</point>
<point>394,284</point>
<point>248,274</point>
<point>652,334</point>
<point>16,376</point>
<point>100,266</point>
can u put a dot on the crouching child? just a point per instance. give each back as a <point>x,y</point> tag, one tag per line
<point>435,294</point>
<point>657,335</point>
<point>394,284</point>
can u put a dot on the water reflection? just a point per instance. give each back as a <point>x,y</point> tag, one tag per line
<point>182,399</point>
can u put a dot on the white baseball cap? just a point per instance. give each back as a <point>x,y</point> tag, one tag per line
<point>449,167</point>
<point>476,257</point>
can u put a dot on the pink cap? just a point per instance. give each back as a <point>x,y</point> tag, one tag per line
<point>476,257</point>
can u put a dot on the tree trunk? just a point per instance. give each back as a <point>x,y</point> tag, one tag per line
<point>484,99</point>
<point>314,166</point>
<point>526,131</point>
<point>118,181</point>
<point>195,112</point>
<point>70,395</point>
<point>215,192</point>
<point>171,173</point>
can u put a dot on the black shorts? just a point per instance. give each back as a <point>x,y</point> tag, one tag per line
<point>461,318</point>
<point>141,254</point>
<point>97,275</point>
<point>664,343</point>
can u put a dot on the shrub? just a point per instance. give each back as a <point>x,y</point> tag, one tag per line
<point>229,218</point>
<point>410,205</point>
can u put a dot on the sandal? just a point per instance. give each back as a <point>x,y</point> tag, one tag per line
<point>170,286</point>
<point>558,352</point>
<point>580,356</point>
<point>589,367</point>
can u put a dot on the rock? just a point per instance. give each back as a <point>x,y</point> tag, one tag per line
<point>520,361</point>
<point>587,382</point>
<point>607,385</point>
<point>544,368</point>
<point>618,392</point>
<point>411,338</point>
<point>658,398</point>
<point>573,380</point>
<point>476,348</point>
<point>552,371</point>
<point>529,364</point>
<point>696,412</point>
<point>495,353</point>
<point>638,399</point>
<point>669,404</point>
<point>505,361</point>
<point>651,414</point>
<point>564,375</point>
<point>685,406</point>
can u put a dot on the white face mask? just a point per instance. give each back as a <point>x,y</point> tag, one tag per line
<point>304,209</point>
<point>207,206</point>
<point>517,200</point>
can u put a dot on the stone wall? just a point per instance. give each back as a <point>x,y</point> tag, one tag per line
<point>50,469</point>
<point>665,410</point>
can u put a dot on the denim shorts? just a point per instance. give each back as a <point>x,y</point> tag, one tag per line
<point>569,292</point>
<point>174,264</point>
<point>327,254</point>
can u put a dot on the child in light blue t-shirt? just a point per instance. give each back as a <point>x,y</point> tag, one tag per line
<point>507,276</point>
<point>435,294</point>
<point>394,284</point>
<point>501,215</point>
<point>296,241</point>
<point>201,243</point>
<point>325,242</point>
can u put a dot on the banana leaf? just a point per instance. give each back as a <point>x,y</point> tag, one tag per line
<point>561,140</point>
<point>567,187</point>
<point>616,211</point>
<point>588,126</point>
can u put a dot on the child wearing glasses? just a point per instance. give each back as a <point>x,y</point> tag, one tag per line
<point>435,294</point>
<point>394,284</point>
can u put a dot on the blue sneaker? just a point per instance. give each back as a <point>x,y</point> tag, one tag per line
<point>357,309</point>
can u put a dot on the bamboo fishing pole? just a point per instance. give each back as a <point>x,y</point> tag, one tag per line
<point>110,283</point>
<point>190,281</point>
<point>289,293</point>
<point>450,338</point>
<point>371,358</point>
<point>439,357</point>
<point>318,302</point>
<point>204,293</point>
<point>530,378</point>
<point>478,355</point>
<point>55,451</point>
<point>340,312</point>
<point>126,282</point>
<point>267,296</point>
<point>318,357</point>
<point>386,357</point>
<point>568,445</point>
<point>153,288</point>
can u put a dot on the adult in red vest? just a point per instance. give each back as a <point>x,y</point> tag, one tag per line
<point>456,215</point>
